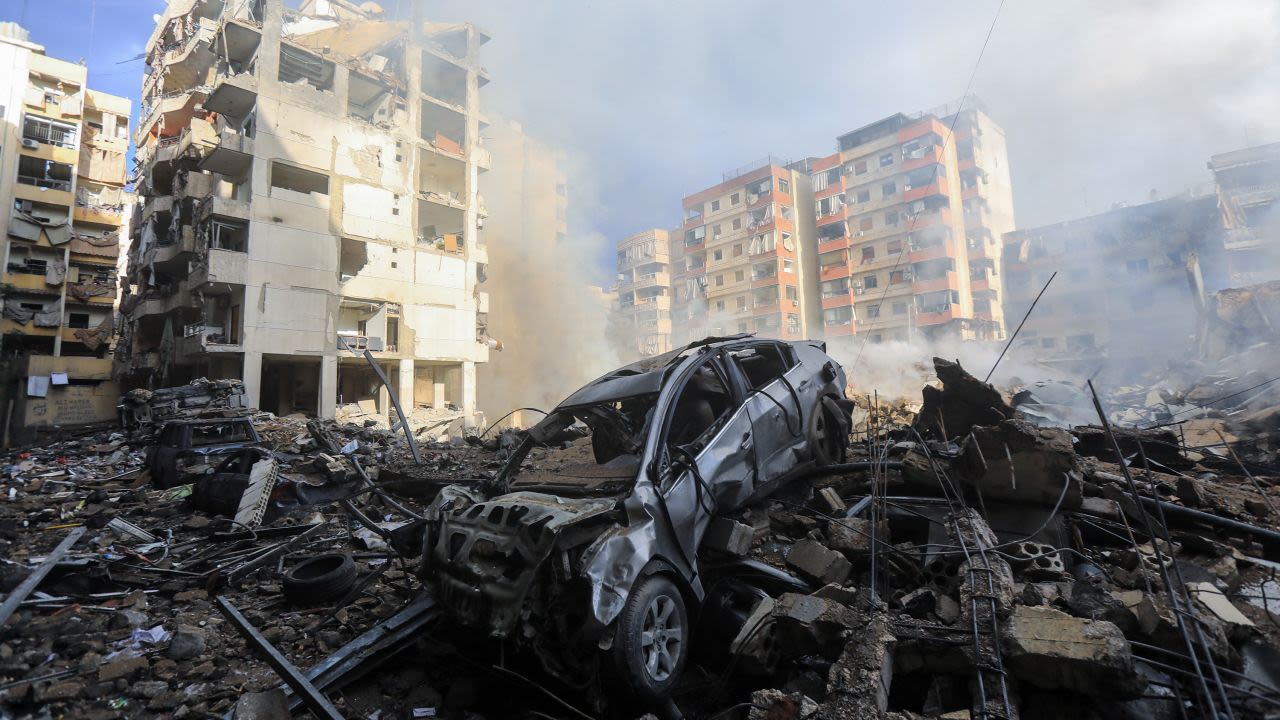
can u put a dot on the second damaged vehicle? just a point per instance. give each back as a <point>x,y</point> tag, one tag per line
<point>589,557</point>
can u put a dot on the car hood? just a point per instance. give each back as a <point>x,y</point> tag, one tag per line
<point>486,553</point>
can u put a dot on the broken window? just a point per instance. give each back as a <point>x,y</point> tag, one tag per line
<point>897,276</point>
<point>888,189</point>
<point>229,235</point>
<point>77,320</point>
<point>45,174</point>
<point>860,167</point>
<point>837,316</point>
<point>886,159</point>
<point>873,311</point>
<point>299,180</point>
<point>717,255</point>
<point>864,196</point>
<point>870,282</point>
<point>792,294</point>
<point>784,186</point>
<point>835,288</point>
<point>735,198</point>
<point>737,223</point>
<point>893,247</point>
<point>715,206</point>
<point>868,254</point>
<point>297,65</point>
<point>762,364</point>
<point>696,235</point>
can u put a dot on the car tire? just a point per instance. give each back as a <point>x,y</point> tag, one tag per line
<point>321,578</point>
<point>652,642</point>
<point>824,437</point>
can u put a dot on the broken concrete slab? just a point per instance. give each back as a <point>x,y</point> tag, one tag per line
<point>728,536</point>
<point>1051,649</point>
<point>962,402</point>
<point>1016,461</point>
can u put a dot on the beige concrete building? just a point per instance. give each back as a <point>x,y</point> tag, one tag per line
<point>62,177</point>
<point>1126,284</point>
<point>1248,188</point>
<point>909,218</point>
<point>644,291</point>
<point>309,191</point>
<point>744,258</point>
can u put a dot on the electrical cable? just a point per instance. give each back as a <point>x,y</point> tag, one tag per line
<point>504,417</point>
<point>945,141</point>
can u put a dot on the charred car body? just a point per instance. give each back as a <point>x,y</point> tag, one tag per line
<point>597,546</point>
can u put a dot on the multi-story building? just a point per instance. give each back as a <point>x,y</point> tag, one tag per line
<point>744,259</point>
<point>909,214</point>
<point>1127,284</point>
<point>1248,186</point>
<point>308,184</point>
<point>644,291</point>
<point>62,177</point>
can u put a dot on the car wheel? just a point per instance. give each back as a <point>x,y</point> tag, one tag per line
<point>825,437</point>
<point>653,638</point>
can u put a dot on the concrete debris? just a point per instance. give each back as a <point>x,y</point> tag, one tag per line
<point>1001,534</point>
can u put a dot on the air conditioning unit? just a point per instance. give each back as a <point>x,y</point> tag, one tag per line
<point>858,291</point>
<point>30,144</point>
<point>859,233</point>
<point>906,187</point>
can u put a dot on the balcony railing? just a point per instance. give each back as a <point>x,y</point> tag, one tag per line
<point>48,133</point>
<point>47,183</point>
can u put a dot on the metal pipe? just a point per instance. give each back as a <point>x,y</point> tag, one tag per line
<point>21,592</point>
<point>315,700</point>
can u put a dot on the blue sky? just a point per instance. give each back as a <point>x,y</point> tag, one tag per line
<point>1101,102</point>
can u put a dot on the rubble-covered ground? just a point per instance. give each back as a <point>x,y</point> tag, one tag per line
<point>984,553</point>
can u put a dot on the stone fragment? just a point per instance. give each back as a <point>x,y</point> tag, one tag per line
<point>122,668</point>
<point>818,562</point>
<point>807,624</point>
<point>187,642</point>
<point>268,705</point>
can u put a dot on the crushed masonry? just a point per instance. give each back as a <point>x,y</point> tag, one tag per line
<point>987,561</point>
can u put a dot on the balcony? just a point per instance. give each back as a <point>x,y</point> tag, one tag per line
<point>222,269</point>
<point>832,272</point>
<point>764,281</point>
<point>941,217</point>
<point>937,187</point>
<point>937,316</point>
<point>837,216</point>
<point>201,339</point>
<point>1242,239</point>
<point>233,94</point>
<point>656,302</point>
<point>922,157</point>
<point>163,305</point>
<point>841,299</point>
<point>43,191</point>
<point>834,188</point>
<point>185,61</point>
<point>232,155</point>
<point>833,245</point>
<point>31,281</point>
<point>766,307</point>
<point>938,250</point>
<point>99,215</point>
<point>658,279</point>
<point>947,281</point>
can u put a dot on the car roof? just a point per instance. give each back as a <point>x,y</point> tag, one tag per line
<point>646,376</point>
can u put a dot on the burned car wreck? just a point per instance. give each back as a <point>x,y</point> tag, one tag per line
<point>600,545</point>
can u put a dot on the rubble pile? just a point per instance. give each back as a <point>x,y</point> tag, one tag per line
<point>976,554</point>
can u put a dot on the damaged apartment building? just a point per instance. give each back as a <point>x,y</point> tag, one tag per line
<point>62,177</point>
<point>308,184</point>
<point>743,259</point>
<point>910,212</point>
<point>895,236</point>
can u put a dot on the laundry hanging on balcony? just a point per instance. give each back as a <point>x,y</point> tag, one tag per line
<point>55,272</point>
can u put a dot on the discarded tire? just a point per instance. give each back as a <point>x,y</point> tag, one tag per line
<point>321,578</point>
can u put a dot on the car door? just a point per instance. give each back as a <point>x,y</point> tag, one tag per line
<point>165,457</point>
<point>774,385</point>
<point>722,452</point>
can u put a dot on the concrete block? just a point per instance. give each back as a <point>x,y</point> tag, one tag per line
<point>1051,649</point>
<point>818,562</point>
<point>728,536</point>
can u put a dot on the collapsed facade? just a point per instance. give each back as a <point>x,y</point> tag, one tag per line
<point>1131,280</point>
<point>308,185</point>
<point>1248,186</point>
<point>63,185</point>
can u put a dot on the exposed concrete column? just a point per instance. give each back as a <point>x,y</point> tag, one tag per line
<point>406,385</point>
<point>252,375</point>
<point>328,386</point>
<point>468,392</point>
<point>438,393</point>
<point>384,396</point>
